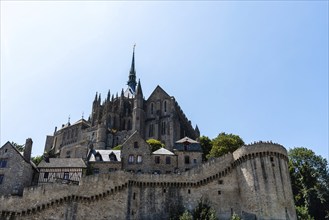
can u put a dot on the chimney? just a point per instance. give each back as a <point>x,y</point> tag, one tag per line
<point>28,149</point>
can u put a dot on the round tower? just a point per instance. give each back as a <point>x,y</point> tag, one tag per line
<point>264,181</point>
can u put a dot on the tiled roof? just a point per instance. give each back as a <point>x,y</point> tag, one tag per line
<point>163,151</point>
<point>63,162</point>
<point>105,154</point>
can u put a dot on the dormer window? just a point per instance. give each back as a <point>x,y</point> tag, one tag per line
<point>113,157</point>
<point>98,157</point>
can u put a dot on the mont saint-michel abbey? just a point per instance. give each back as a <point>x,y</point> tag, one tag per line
<point>103,167</point>
<point>115,118</point>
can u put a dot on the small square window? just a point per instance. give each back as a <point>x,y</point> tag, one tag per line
<point>220,182</point>
<point>219,192</point>
<point>168,160</point>
<point>3,163</point>
<point>139,159</point>
<point>135,144</point>
<point>96,170</point>
<point>46,175</point>
<point>131,159</point>
<point>66,175</point>
<point>189,191</point>
<point>157,159</point>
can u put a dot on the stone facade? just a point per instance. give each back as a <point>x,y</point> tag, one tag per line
<point>115,118</point>
<point>135,183</point>
<point>136,157</point>
<point>252,182</point>
<point>16,169</point>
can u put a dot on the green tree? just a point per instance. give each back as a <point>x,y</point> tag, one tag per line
<point>203,211</point>
<point>186,216</point>
<point>310,183</point>
<point>235,217</point>
<point>206,145</point>
<point>19,147</point>
<point>36,160</point>
<point>224,143</point>
<point>117,147</point>
<point>155,144</point>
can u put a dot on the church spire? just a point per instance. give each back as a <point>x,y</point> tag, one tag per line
<point>139,89</point>
<point>132,74</point>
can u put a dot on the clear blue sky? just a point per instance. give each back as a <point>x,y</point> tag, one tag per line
<point>258,69</point>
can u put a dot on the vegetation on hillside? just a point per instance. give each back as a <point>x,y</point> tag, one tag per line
<point>203,211</point>
<point>220,145</point>
<point>19,147</point>
<point>118,147</point>
<point>155,144</point>
<point>310,183</point>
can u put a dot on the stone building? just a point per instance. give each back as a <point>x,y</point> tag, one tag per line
<point>115,118</point>
<point>61,170</point>
<point>252,182</point>
<point>16,169</point>
<point>136,156</point>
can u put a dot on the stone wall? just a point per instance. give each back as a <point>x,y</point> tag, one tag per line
<point>16,164</point>
<point>245,182</point>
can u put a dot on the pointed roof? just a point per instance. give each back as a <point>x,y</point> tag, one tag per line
<point>105,154</point>
<point>158,89</point>
<point>132,74</point>
<point>186,140</point>
<point>163,151</point>
<point>139,90</point>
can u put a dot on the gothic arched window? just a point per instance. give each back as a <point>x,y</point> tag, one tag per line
<point>165,106</point>
<point>152,108</point>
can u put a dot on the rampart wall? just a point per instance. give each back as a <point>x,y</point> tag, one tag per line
<point>252,182</point>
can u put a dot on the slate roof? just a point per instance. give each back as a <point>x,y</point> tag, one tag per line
<point>63,163</point>
<point>187,140</point>
<point>163,151</point>
<point>187,144</point>
<point>105,155</point>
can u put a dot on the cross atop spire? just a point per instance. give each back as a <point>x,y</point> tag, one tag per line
<point>132,74</point>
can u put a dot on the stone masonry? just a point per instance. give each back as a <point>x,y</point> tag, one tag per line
<point>253,182</point>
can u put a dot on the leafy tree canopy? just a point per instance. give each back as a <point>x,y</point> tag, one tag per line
<point>203,211</point>
<point>19,147</point>
<point>235,217</point>
<point>186,216</point>
<point>206,145</point>
<point>117,147</point>
<point>310,183</point>
<point>224,143</point>
<point>36,160</point>
<point>155,144</point>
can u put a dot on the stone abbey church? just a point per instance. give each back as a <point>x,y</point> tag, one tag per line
<point>84,176</point>
<point>114,119</point>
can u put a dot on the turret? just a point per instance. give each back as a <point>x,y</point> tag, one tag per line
<point>138,111</point>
